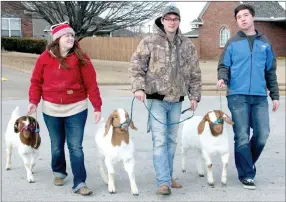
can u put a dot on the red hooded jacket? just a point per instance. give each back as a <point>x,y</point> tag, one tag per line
<point>63,86</point>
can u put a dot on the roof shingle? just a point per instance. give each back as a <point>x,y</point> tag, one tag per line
<point>267,9</point>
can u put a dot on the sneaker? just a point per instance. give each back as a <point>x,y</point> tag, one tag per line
<point>248,184</point>
<point>84,191</point>
<point>58,181</point>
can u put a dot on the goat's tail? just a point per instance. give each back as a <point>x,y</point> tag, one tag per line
<point>16,112</point>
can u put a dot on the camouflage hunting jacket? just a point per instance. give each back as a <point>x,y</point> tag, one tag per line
<point>167,68</point>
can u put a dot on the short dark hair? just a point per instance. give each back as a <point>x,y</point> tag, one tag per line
<point>243,7</point>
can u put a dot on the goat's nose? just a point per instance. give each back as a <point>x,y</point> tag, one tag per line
<point>218,126</point>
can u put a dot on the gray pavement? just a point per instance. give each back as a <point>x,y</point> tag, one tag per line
<point>270,177</point>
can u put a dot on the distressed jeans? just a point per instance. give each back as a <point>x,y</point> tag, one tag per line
<point>247,112</point>
<point>70,129</point>
<point>164,137</point>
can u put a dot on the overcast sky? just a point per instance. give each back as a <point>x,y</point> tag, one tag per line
<point>189,11</point>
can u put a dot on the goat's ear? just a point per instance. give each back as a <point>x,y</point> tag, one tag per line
<point>132,125</point>
<point>227,119</point>
<point>16,126</point>
<point>37,125</point>
<point>108,124</point>
<point>33,122</point>
<point>201,125</point>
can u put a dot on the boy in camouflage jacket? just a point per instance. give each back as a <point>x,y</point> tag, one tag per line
<point>164,69</point>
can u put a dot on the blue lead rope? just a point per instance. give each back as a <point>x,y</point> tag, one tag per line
<point>166,124</point>
<point>169,124</point>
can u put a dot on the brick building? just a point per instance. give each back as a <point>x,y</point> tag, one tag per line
<point>18,22</point>
<point>14,22</point>
<point>216,24</point>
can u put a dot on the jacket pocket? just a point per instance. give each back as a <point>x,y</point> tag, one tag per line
<point>158,62</point>
<point>236,102</point>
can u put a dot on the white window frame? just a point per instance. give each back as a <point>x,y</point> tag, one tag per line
<point>9,25</point>
<point>223,31</point>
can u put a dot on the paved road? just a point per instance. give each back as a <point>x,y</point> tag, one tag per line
<point>270,167</point>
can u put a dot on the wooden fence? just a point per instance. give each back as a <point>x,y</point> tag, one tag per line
<point>110,48</point>
<point>114,48</point>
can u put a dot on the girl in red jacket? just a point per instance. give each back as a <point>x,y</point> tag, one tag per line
<point>64,77</point>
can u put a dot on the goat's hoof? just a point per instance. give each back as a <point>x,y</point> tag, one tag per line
<point>8,168</point>
<point>111,188</point>
<point>201,175</point>
<point>183,170</point>
<point>31,181</point>
<point>135,191</point>
<point>211,185</point>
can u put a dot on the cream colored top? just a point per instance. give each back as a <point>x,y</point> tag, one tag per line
<point>64,110</point>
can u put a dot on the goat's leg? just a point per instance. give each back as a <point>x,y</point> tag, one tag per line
<point>199,162</point>
<point>33,157</point>
<point>224,159</point>
<point>208,163</point>
<point>184,151</point>
<point>111,175</point>
<point>102,170</point>
<point>9,148</point>
<point>129,167</point>
<point>26,159</point>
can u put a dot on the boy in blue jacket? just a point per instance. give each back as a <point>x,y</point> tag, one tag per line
<point>248,67</point>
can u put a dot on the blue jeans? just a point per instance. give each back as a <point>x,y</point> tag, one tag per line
<point>69,128</point>
<point>247,112</point>
<point>164,137</point>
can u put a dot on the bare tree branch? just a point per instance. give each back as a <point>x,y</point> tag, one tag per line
<point>88,18</point>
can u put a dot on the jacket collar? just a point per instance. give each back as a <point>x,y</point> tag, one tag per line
<point>242,34</point>
<point>69,53</point>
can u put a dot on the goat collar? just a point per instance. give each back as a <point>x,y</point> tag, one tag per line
<point>32,128</point>
<point>217,122</point>
<point>212,125</point>
<point>122,124</point>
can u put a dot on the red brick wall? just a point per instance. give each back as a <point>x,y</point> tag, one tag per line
<point>276,32</point>
<point>26,20</point>
<point>220,14</point>
<point>196,42</point>
<point>217,15</point>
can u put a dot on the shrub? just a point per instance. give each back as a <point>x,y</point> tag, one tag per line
<point>26,45</point>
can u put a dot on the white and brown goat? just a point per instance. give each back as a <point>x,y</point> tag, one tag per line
<point>115,144</point>
<point>207,136</point>
<point>23,133</point>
